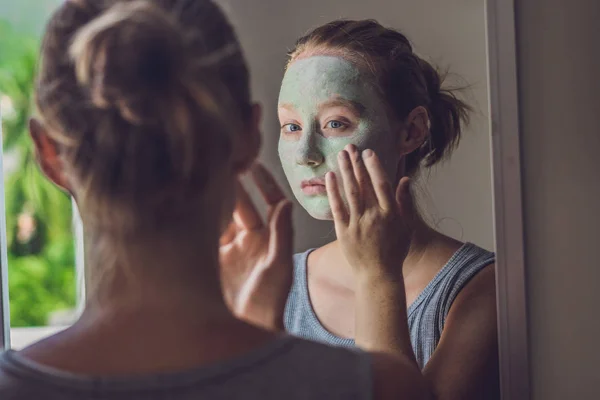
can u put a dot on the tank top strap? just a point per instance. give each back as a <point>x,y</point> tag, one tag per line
<point>427,314</point>
<point>464,267</point>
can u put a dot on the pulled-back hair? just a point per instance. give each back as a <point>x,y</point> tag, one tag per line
<point>133,93</point>
<point>406,80</point>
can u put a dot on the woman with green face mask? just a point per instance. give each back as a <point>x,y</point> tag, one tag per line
<point>360,116</point>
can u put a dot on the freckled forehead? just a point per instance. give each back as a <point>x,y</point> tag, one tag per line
<point>322,77</point>
<point>320,68</point>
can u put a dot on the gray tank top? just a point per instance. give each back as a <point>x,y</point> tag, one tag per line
<point>288,368</point>
<point>426,315</point>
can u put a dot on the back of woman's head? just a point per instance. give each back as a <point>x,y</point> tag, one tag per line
<point>405,80</point>
<point>133,93</point>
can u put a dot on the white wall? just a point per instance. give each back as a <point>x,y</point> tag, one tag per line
<point>558,67</point>
<point>450,32</point>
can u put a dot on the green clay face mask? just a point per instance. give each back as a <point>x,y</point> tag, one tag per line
<point>326,103</point>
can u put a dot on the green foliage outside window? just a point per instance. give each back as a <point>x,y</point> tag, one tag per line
<point>41,253</point>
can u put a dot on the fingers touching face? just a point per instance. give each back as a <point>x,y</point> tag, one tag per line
<point>365,184</point>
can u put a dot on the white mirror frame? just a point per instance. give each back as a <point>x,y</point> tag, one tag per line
<point>506,166</point>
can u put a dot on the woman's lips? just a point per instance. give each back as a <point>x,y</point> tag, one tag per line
<point>314,187</point>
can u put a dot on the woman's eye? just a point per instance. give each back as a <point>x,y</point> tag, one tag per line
<point>291,128</point>
<point>335,125</point>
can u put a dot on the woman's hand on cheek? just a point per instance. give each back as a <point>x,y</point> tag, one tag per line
<point>375,232</point>
<point>375,228</point>
<point>256,257</point>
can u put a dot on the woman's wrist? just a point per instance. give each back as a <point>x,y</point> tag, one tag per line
<point>381,317</point>
<point>379,277</point>
<point>378,290</point>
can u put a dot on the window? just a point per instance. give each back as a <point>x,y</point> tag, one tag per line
<point>41,235</point>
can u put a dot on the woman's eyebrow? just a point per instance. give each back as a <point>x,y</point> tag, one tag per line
<point>287,106</point>
<point>355,106</point>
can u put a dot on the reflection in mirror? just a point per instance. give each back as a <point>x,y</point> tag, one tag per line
<point>375,123</point>
<point>411,85</point>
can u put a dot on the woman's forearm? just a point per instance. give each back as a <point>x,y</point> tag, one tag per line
<point>381,317</point>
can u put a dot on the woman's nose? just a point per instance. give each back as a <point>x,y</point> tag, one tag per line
<point>308,154</point>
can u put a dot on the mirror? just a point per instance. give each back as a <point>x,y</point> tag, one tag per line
<point>455,197</point>
<point>475,41</point>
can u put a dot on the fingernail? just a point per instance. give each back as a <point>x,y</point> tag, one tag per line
<point>258,172</point>
<point>343,155</point>
<point>367,153</point>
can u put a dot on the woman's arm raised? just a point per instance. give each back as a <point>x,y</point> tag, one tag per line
<point>256,257</point>
<point>375,230</point>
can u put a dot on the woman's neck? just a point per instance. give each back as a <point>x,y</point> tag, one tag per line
<point>422,245</point>
<point>423,237</point>
<point>168,274</point>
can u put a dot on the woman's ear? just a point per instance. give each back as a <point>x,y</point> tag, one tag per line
<point>415,132</point>
<point>247,144</point>
<point>47,156</point>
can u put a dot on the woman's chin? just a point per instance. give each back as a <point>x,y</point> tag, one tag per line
<point>322,215</point>
<point>316,206</point>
